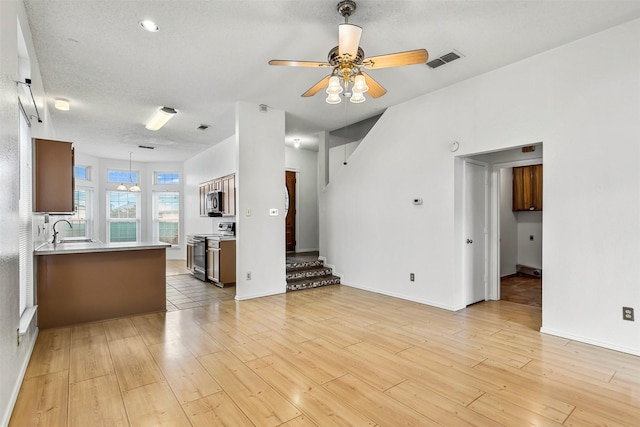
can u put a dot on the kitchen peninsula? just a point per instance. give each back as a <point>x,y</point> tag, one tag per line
<point>82,282</point>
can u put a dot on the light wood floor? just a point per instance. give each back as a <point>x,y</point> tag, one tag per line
<point>324,357</point>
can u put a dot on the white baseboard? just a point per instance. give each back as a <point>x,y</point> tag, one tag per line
<point>403,297</point>
<point>266,294</point>
<point>610,346</point>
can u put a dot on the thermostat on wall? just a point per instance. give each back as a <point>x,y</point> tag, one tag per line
<point>417,201</point>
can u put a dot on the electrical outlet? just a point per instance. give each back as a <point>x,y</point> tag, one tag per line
<point>627,313</point>
<point>248,275</point>
<point>412,277</point>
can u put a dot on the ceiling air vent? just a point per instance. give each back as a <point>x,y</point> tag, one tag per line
<point>147,147</point>
<point>444,59</point>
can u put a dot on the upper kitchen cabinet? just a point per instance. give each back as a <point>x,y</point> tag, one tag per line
<point>527,188</point>
<point>226,185</point>
<point>53,176</point>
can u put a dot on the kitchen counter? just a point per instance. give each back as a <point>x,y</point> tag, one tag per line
<point>93,281</point>
<point>83,247</point>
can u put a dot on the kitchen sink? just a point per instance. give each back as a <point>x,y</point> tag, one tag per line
<point>77,240</point>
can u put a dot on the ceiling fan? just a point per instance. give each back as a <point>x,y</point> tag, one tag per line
<point>347,60</point>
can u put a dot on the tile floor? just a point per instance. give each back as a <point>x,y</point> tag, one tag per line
<point>185,291</point>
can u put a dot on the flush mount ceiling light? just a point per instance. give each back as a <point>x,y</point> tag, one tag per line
<point>61,104</point>
<point>347,60</point>
<point>149,25</point>
<point>134,188</point>
<point>160,118</point>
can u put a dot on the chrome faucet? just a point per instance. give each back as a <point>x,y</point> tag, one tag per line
<point>55,233</point>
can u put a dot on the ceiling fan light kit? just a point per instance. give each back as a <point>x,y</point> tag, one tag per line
<point>347,60</point>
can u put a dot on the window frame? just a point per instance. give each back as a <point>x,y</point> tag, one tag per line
<point>156,174</point>
<point>87,170</point>
<point>156,220</point>
<point>129,175</point>
<point>137,220</point>
<point>88,210</point>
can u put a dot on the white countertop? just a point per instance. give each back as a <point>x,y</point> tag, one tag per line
<point>84,247</point>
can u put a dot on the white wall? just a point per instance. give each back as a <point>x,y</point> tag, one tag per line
<point>260,244</point>
<point>508,226</point>
<point>13,356</point>
<point>529,251</point>
<point>305,164</point>
<point>215,162</point>
<point>339,155</point>
<point>577,107</point>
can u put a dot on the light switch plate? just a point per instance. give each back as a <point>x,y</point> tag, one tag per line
<point>248,212</point>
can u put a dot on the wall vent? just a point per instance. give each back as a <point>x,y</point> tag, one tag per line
<point>444,59</point>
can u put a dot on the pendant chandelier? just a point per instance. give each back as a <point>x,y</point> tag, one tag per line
<point>134,188</point>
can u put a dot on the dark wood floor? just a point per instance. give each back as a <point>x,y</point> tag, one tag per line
<point>522,290</point>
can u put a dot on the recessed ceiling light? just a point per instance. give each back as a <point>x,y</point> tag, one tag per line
<point>61,104</point>
<point>149,25</point>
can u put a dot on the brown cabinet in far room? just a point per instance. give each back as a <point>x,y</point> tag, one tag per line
<point>53,176</point>
<point>527,188</point>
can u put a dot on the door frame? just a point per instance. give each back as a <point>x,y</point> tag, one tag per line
<point>494,226</point>
<point>295,217</point>
<point>486,231</point>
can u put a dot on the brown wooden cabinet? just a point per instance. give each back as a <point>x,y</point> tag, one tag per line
<point>53,181</point>
<point>221,262</point>
<point>226,184</point>
<point>527,188</point>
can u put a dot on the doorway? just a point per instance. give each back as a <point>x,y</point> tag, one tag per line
<point>504,248</point>
<point>290,221</point>
<point>520,234</point>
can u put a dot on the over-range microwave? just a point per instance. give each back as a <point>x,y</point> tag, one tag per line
<point>214,203</point>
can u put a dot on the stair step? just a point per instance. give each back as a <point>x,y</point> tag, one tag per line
<point>301,265</point>
<point>308,272</point>
<point>295,285</point>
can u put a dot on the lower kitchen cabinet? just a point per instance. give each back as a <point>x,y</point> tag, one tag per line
<point>221,262</point>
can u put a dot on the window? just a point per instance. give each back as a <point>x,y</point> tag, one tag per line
<point>122,176</point>
<point>25,232</point>
<point>167,178</point>
<point>123,216</point>
<point>166,216</point>
<point>82,219</point>
<point>82,172</point>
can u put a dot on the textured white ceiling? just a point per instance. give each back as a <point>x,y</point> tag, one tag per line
<point>209,54</point>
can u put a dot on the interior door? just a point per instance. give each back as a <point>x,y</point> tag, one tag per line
<point>290,226</point>
<point>475,232</point>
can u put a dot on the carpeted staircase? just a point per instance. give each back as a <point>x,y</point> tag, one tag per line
<point>309,274</point>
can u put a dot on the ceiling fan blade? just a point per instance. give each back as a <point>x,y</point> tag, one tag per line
<point>317,87</point>
<point>348,39</point>
<point>410,57</point>
<point>375,89</point>
<point>299,63</point>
